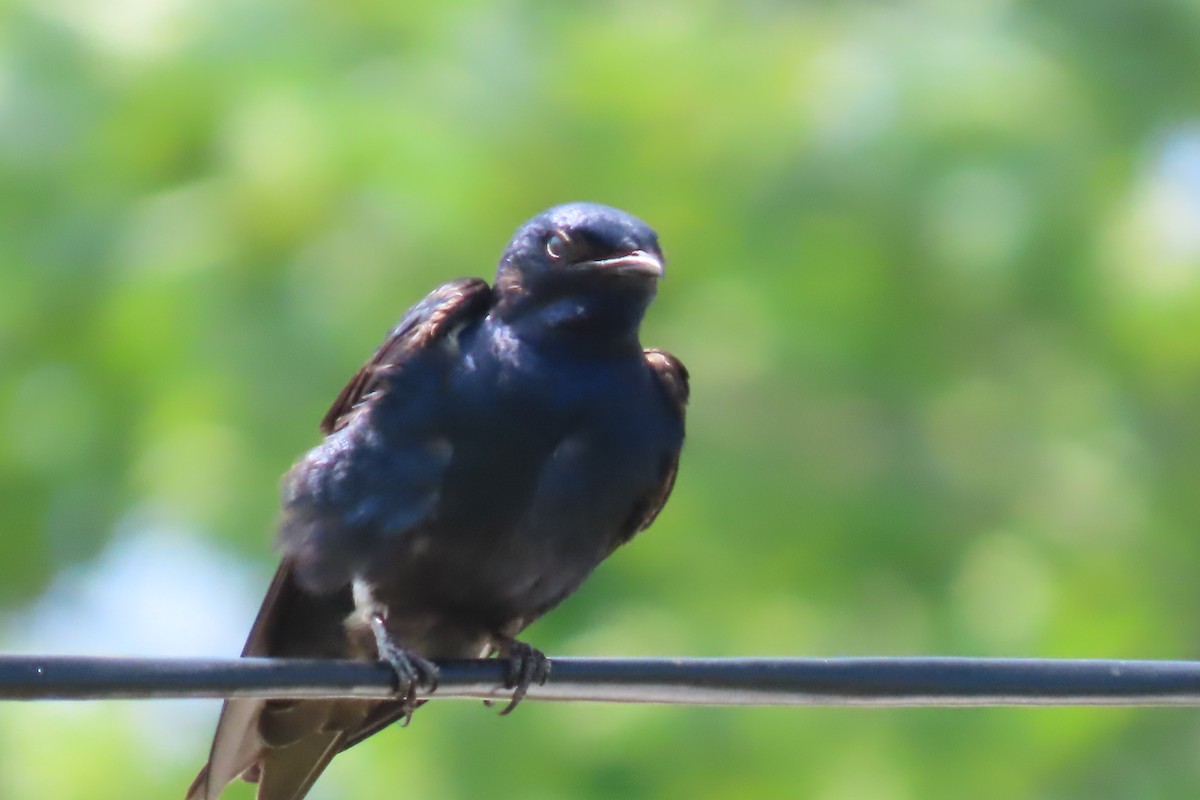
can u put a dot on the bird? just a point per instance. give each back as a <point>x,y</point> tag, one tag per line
<point>501,442</point>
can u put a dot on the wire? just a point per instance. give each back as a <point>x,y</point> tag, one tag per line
<point>736,681</point>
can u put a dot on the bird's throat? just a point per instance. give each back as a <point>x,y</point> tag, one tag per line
<point>595,323</point>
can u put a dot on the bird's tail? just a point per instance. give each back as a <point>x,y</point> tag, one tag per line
<point>284,749</point>
<point>283,745</point>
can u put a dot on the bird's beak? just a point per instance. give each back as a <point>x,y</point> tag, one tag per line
<point>638,262</point>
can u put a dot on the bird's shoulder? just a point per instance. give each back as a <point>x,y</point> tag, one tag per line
<point>671,376</point>
<point>434,319</point>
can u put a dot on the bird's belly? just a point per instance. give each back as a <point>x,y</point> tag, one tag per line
<point>511,552</point>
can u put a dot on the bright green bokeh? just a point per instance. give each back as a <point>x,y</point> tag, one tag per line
<point>934,266</point>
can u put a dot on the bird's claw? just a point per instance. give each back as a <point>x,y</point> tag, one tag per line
<point>526,665</point>
<point>412,670</point>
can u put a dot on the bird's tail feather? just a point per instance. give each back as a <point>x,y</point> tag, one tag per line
<point>236,748</point>
<point>289,772</point>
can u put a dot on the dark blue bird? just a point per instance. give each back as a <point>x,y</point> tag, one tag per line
<point>500,444</point>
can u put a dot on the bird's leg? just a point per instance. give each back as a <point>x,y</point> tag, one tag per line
<point>526,665</point>
<point>412,670</point>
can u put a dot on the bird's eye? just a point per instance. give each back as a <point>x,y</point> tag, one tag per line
<point>557,244</point>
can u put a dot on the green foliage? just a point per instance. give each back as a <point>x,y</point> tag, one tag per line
<point>935,267</point>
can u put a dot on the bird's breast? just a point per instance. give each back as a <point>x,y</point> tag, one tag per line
<point>549,457</point>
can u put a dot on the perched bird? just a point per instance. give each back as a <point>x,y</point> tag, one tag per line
<point>500,444</point>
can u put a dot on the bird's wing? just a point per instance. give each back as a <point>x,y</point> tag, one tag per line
<point>436,317</point>
<point>286,744</point>
<point>673,380</point>
<point>378,476</point>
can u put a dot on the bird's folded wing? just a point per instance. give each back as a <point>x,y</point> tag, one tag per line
<point>239,743</point>
<point>673,379</point>
<point>434,319</point>
<point>372,481</point>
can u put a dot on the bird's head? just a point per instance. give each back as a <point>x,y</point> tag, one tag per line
<point>580,267</point>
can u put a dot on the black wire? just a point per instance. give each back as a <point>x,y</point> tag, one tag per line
<point>748,681</point>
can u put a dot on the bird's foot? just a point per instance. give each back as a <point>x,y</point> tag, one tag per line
<point>412,670</point>
<point>526,665</point>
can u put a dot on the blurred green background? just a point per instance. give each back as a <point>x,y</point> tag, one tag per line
<point>934,265</point>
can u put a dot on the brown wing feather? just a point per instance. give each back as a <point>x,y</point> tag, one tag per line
<point>673,378</point>
<point>443,309</point>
